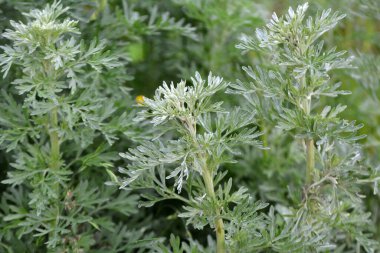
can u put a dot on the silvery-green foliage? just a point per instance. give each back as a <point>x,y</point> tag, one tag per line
<point>82,217</point>
<point>51,116</point>
<point>141,29</point>
<point>293,90</point>
<point>154,23</point>
<point>176,246</point>
<point>195,136</point>
<point>367,73</point>
<point>164,40</point>
<point>293,43</point>
<point>55,65</point>
<point>369,9</point>
<point>187,108</point>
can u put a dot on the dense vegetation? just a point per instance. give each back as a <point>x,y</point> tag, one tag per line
<point>190,126</point>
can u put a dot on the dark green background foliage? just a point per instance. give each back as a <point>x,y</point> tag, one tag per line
<point>84,170</point>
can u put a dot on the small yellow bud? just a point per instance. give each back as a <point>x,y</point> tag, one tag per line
<point>140,99</point>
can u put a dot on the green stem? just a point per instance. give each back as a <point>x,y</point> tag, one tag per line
<point>209,183</point>
<point>309,161</point>
<point>55,160</point>
<point>54,140</point>
<point>219,226</point>
<point>309,142</point>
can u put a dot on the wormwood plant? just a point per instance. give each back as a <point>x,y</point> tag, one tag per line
<point>294,87</point>
<point>63,104</point>
<point>58,124</point>
<point>194,137</point>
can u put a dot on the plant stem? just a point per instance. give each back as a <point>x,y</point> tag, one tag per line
<point>309,142</point>
<point>54,140</point>
<point>219,226</point>
<point>55,160</point>
<point>309,161</point>
<point>209,183</point>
